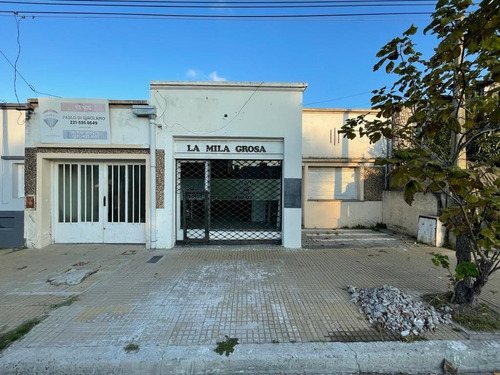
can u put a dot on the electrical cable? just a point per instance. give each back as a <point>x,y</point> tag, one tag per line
<point>223,6</point>
<point>220,128</point>
<point>343,97</point>
<point>32,88</point>
<point>18,39</point>
<point>207,16</point>
<point>242,2</point>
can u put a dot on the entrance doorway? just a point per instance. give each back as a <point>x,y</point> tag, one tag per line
<point>229,200</point>
<point>100,203</point>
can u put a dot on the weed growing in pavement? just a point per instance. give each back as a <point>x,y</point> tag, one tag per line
<point>66,302</point>
<point>226,346</point>
<point>378,227</point>
<point>17,333</point>
<point>438,300</point>
<point>357,226</point>
<point>409,339</point>
<point>481,318</point>
<point>131,347</point>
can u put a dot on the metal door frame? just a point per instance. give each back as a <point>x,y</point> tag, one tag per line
<point>207,215</point>
<point>82,231</point>
<point>179,195</point>
<point>103,223</point>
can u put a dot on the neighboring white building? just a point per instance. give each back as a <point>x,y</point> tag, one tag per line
<point>12,174</point>
<point>341,186</point>
<point>220,161</point>
<point>86,169</point>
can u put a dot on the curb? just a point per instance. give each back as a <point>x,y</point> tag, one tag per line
<point>301,358</point>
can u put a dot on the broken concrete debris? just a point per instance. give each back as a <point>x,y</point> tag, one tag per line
<point>393,309</point>
<point>71,277</point>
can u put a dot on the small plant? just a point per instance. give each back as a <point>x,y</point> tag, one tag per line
<point>359,226</point>
<point>439,300</point>
<point>131,347</point>
<point>226,346</point>
<point>66,302</point>
<point>17,333</point>
<point>463,270</point>
<point>378,227</point>
<point>413,338</point>
<point>481,318</point>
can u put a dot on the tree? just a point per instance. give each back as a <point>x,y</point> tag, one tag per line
<point>454,96</point>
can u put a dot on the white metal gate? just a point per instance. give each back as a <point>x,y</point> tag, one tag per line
<point>100,203</point>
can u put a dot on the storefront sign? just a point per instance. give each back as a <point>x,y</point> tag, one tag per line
<point>74,120</point>
<point>225,148</point>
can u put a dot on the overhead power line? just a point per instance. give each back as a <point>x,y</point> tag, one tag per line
<point>342,97</point>
<point>16,71</point>
<point>243,9</point>
<point>388,2</point>
<point>229,5</point>
<point>204,16</point>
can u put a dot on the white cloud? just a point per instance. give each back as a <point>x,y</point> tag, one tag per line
<point>192,74</point>
<point>215,77</point>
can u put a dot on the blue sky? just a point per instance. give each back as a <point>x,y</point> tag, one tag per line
<point>116,58</point>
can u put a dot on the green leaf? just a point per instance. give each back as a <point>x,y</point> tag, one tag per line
<point>466,269</point>
<point>459,173</point>
<point>441,260</point>
<point>394,55</point>
<point>389,67</point>
<point>411,31</point>
<point>488,233</point>
<point>411,188</point>
<point>399,177</point>
<point>437,186</point>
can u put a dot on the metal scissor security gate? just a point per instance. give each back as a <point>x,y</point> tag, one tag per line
<point>230,200</point>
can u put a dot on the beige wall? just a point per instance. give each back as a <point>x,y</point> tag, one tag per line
<point>338,214</point>
<point>321,138</point>
<point>324,147</point>
<point>401,217</point>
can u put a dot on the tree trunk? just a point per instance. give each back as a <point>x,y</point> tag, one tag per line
<point>464,292</point>
<point>467,291</point>
<point>463,248</point>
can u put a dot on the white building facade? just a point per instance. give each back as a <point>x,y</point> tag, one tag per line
<point>200,162</point>
<point>12,121</point>
<point>232,161</point>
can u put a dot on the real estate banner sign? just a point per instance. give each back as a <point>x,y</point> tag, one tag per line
<point>74,120</point>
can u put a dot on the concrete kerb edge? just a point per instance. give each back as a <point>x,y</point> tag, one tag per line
<point>303,358</point>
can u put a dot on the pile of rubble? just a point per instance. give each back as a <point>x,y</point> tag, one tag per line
<point>392,309</point>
